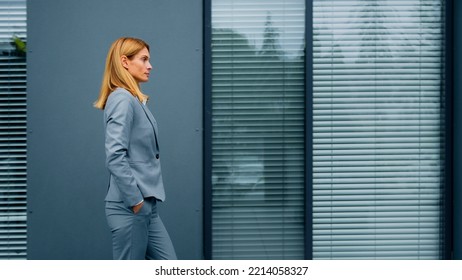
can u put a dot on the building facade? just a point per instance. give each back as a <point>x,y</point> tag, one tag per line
<point>289,129</point>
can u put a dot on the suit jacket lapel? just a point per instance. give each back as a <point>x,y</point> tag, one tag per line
<point>152,120</point>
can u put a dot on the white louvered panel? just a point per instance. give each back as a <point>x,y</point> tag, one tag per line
<point>12,21</point>
<point>13,194</point>
<point>378,129</point>
<point>258,95</point>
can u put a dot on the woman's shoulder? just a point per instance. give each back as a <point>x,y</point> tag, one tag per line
<point>120,97</point>
<point>121,94</point>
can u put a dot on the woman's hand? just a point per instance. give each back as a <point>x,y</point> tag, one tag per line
<point>137,207</point>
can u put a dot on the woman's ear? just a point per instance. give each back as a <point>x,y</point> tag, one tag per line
<point>124,61</point>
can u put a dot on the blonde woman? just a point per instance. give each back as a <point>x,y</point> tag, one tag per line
<point>132,156</point>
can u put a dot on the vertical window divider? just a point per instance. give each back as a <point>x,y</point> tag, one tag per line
<point>308,129</point>
<point>449,119</point>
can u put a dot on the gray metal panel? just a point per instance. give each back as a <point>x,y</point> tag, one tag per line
<point>67,179</point>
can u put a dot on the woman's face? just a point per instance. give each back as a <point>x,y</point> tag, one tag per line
<point>139,66</point>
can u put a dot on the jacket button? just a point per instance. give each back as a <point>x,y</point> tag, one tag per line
<point>157,156</point>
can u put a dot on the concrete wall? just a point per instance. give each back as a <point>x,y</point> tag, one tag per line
<point>67,179</point>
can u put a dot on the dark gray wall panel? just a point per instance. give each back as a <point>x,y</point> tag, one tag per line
<point>67,179</point>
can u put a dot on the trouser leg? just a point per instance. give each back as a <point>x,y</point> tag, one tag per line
<point>160,246</point>
<point>129,232</point>
<point>138,236</point>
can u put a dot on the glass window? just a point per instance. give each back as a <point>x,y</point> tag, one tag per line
<point>378,129</point>
<point>13,239</point>
<point>258,115</point>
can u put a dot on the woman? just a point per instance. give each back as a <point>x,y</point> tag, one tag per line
<point>132,156</point>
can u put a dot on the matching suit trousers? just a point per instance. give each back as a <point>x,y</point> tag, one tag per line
<point>138,236</point>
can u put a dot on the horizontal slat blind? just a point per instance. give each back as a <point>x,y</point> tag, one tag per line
<point>13,233</point>
<point>258,95</point>
<point>378,129</point>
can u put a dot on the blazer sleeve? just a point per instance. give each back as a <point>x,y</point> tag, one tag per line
<point>119,120</point>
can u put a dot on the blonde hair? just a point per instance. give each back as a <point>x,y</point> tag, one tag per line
<point>115,75</point>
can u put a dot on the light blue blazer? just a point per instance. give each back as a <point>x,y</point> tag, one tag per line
<point>132,150</point>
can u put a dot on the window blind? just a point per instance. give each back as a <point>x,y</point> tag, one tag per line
<point>12,131</point>
<point>258,112</point>
<point>378,129</point>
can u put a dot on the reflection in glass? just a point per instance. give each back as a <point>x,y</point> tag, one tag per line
<point>378,165</point>
<point>258,96</point>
